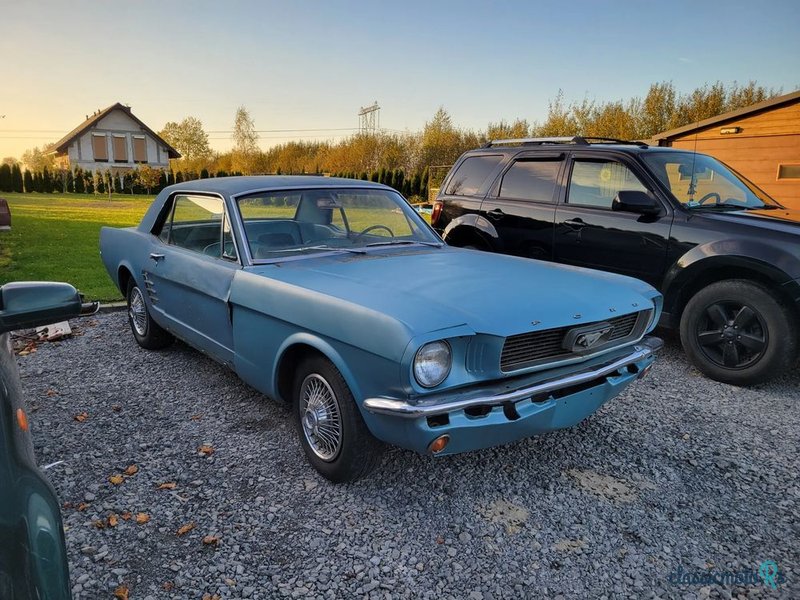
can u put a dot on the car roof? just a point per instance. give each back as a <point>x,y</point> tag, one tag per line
<point>232,186</point>
<point>632,148</point>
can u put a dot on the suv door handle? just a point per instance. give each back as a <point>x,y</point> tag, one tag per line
<point>495,214</point>
<point>576,223</point>
<point>157,257</point>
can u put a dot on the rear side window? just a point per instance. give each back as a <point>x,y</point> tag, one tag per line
<point>471,174</point>
<point>531,180</point>
<point>199,223</point>
<point>595,183</point>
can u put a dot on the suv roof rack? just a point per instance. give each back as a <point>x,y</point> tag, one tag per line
<point>577,140</point>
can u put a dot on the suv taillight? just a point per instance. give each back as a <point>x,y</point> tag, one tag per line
<point>436,213</point>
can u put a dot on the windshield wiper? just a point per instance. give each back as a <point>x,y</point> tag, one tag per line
<point>328,248</point>
<point>405,243</point>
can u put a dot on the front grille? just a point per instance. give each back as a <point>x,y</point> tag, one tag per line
<point>527,349</point>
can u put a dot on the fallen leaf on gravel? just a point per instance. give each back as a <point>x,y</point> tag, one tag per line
<point>132,470</point>
<point>186,528</point>
<point>439,539</point>
<point>116,479</point>
<point>51,392</point>
<point>82,506</point>
<point>99,524</point>
<point>121,593</point>
<point>81,417</point>
<point>113,520</point>
<point>196,417</point>
<point>167,485</point>
<point>168,585</point>
<point>230,583</point>
<point>142,518</point>
<point>211,540</point>
<point>210,597</point>
<point>126,516</point>
<point>116,408</point>
<point>206,450</point>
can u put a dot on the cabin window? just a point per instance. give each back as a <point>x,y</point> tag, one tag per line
<point>99,148</point>
<point>139,149</point>
<point>788,171</point>
<point>120,148</point>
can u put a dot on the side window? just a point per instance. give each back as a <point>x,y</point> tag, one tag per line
<point>596,182</point>
<point>199,223</point>
<point>471,174</point>
<point>531,180</point>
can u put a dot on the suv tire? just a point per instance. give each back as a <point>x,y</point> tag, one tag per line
<point>738,332</point>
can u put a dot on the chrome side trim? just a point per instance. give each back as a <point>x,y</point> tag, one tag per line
<point>400,408</point>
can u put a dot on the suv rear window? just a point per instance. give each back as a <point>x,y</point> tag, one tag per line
<point>469,177</point>
<point>531,180</point>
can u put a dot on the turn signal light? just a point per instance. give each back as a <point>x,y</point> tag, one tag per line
<point>439,444</point>
<point>436,213</point>
<point>22,419</point>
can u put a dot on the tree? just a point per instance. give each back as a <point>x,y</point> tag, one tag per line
<point>36,160</point>
<point>245,141</point>
<point>149,177</point>
<point>16,178</point>
<point>80,182</point>
<point>189,138</point>
<point>5,178</point>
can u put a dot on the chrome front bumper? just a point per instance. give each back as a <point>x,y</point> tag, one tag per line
<point>643,350</point>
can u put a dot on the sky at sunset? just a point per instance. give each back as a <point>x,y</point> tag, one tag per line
<point>304,68</point>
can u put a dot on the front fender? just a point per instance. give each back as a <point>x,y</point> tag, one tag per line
<point>767,260</point>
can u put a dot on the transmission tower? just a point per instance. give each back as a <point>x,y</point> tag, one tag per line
<point>369,118</point>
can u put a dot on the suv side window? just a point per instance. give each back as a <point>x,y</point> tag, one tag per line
<point>472,173</point>
<point>531,179</point>
<point>199,223</point>
<point>595,183</point>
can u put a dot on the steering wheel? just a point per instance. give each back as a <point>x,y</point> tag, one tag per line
<point>709,195</point>
<point>373,228</point>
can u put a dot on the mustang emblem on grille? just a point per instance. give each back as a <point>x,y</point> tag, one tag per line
<point>587,340</point>
<point>581,339</point>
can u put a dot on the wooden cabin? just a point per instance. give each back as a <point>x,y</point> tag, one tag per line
<point>761,141</point>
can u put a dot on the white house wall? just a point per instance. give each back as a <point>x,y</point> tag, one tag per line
<point>81,154</point>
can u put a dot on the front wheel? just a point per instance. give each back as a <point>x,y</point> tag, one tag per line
<point>738,332</point>
<point>333,434</point>
<point>147,333</point>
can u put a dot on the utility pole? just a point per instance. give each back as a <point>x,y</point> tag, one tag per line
<point>369,120</point>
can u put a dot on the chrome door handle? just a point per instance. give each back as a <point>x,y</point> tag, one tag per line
<point>575,223</point>
<point>157,257</point>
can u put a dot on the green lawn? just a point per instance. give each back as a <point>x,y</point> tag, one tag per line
<point>55,237</point>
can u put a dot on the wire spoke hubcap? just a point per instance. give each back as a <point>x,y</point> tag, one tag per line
<point>137,312</point>
<point>732,335</point>
<point>320,417</point>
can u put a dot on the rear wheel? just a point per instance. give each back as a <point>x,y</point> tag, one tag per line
<point>333,434</point>
<point>148,334</point>
<point>738,332</point>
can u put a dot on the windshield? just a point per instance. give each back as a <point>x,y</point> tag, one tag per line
<point>296,222</point>
<point>700,181</point>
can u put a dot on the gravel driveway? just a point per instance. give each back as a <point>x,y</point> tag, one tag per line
<point>680,475</point>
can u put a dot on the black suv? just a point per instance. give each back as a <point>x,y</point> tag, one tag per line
<point>725,255</point>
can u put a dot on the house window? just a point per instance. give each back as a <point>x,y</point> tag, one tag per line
<point>139,149</point>
<point>788,171</point>
<point>99,148</point>
<point>120,149</point>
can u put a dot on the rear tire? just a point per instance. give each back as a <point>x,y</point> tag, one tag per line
<point>147,333</point>
<point>738,332</point>
<point>332,432</point>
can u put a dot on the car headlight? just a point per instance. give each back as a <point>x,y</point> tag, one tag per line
<point>432,363</point>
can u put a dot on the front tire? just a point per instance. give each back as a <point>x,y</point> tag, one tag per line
<point>147,333</point>
<point>738,332</point>
<point>333,434</point>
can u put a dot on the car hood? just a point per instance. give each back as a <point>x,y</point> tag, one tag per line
<point>431,289</point>
<point>785,220</point>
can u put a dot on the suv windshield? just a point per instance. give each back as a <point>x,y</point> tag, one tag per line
<point>295,222</point>
<point>700,181</point>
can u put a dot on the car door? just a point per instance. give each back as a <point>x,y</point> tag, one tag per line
<point>189,272</point>
<point>588,233</point>
<point>521,204</point>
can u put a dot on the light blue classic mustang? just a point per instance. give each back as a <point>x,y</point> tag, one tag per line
<point>336,296</point>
